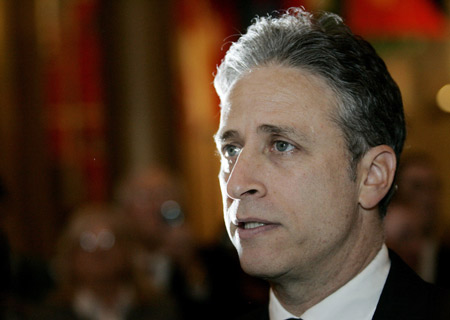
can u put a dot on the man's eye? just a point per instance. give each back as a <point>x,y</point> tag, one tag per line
<point>230,151</point>
<point>283,146</point>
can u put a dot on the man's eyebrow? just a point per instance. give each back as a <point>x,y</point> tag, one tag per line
<point>265,128</point>
<point>227,135</point>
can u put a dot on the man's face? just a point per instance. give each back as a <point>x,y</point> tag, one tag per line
<point>290,206</point>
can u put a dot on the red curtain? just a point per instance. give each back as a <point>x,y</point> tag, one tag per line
<point>74,101</point>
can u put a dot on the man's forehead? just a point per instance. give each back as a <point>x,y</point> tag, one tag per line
<point>279,96</point>
<point>275,81</point>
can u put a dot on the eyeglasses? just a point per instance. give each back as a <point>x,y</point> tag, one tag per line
<point>90,241</point>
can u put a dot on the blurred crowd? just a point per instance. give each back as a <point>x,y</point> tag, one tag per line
<point>412,224</point>
<point>133,258</point>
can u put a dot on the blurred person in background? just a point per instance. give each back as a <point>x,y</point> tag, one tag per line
<point>417,204</point>
<point>96,272</point>
<point>405,233</point>
<point>419,184</point>
<point>172,261</point>
<point>229,284</point>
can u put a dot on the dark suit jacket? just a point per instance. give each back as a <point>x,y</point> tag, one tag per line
<point>405,296</point>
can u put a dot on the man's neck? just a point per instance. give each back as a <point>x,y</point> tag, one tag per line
<point>299,294</point>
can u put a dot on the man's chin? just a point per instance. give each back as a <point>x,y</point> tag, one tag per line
<point>259,268</point>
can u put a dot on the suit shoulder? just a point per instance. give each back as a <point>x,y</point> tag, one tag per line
<point>406,296</point>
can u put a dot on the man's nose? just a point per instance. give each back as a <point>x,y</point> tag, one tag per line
<point>246,179</point>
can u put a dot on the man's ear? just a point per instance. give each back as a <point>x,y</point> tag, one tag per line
<point>377,171</point>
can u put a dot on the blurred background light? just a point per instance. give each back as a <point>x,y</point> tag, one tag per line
<point>443,98</point>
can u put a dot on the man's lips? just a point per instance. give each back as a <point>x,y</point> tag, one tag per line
<point>250,223</point>
<point>250,227</point>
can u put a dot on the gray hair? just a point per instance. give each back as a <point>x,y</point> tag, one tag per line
<point>370,108</point>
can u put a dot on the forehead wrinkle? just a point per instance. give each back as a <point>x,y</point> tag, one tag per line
<point>275,129</point>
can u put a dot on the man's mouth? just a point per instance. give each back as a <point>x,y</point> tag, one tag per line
<point>247,229</point>
<point>251,225</point>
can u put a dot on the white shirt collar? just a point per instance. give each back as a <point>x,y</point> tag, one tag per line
<point>356,300</point>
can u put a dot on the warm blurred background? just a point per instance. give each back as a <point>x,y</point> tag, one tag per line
<point>94,90</point>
